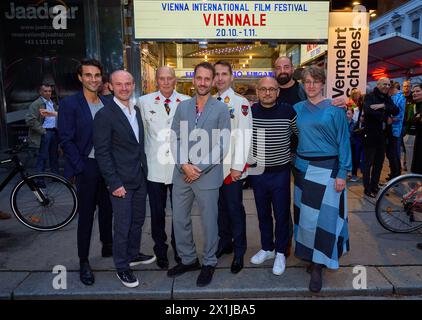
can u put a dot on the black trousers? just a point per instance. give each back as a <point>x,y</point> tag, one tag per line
<point>392,145</point>
<point>232,218</point>
<point>92,191</point>
<point>157,193</point>
<point>372,166</point>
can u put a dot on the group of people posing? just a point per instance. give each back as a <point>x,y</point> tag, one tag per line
<point>202,148</point>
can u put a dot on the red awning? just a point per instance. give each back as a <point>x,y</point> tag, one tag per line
<point>394,56</point>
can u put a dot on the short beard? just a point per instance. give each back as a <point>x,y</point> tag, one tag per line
<point>283,80</point>
<point>203,94</point>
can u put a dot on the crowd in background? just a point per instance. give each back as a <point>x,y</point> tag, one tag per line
<point>398,131</point>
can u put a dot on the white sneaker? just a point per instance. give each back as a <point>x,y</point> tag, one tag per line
<point>279,264</point>
<point>261,256</point>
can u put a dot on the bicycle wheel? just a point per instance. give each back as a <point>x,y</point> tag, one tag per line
<point>399,205</point>
<point>44,202</point>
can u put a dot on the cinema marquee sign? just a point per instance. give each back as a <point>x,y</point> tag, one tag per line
<point>170,20</point>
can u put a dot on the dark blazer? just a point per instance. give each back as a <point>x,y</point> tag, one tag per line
<point>75,126</point>
<point>120,156</point>
<point>374,119</point>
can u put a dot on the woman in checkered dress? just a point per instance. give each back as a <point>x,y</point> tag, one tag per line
<point>321,165</point>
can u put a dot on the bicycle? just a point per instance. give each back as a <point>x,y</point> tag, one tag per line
<point>43,201</point>
<point>398,206</point>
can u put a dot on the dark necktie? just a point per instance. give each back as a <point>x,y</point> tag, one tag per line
<point>166,105</point>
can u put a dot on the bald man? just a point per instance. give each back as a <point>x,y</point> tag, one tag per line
<point>291,91</point>
<point>157,110</point>
<point>377,107</point>
<point>273,123</point>
<point>119,150</point>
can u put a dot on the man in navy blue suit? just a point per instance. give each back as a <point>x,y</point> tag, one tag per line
<point>75,124</point>
<point>119,150</point>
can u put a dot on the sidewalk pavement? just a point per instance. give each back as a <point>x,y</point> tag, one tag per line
<point>393,264</point>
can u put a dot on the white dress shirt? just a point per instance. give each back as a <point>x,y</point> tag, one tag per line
<point>130,114</point>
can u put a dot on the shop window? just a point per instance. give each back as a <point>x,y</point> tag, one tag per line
<point>415,28</point>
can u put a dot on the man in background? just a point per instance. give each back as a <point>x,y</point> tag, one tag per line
<point>42,121</point>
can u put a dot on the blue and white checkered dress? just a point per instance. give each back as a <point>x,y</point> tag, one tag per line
<point>320,212</point>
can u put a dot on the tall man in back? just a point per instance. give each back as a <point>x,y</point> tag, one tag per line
<point>75,124</point>
<point>157,110</point>
<point>231,215</point>
<point>199,143</point>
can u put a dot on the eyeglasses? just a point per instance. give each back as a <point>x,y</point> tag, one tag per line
<point>313,83</point>
<point>264,90</point>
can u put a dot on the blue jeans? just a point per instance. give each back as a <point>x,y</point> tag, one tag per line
<point>48,151</point>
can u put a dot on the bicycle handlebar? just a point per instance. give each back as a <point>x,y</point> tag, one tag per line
<point>17,148</point>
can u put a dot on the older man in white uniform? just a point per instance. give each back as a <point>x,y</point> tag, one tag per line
<point>157,110</point>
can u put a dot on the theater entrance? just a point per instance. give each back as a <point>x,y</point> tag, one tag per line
<point>250,61</point>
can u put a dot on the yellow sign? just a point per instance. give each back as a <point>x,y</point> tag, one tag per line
<point>167,20</point>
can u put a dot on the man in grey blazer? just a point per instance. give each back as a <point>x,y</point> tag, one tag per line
<point>200,140</point>
<point>119,150</point>
<point>42,121</point>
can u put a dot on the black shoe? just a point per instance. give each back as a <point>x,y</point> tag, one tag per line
<point>370,194</point>
<point>163,263</point>
<point>128,279</point>
<point>85,274</point>
<point>223,250</point>
<point>309,268</point>
<point>237,264</point>
<point>205,276</point>
<point>315,284</point>
<point>142,259</point>
<point>181,268</point>
<point>419,246</point>
<point>107,250</point>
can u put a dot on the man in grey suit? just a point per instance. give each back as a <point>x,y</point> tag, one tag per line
<point>200,140</point>
<point>119,150</point>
